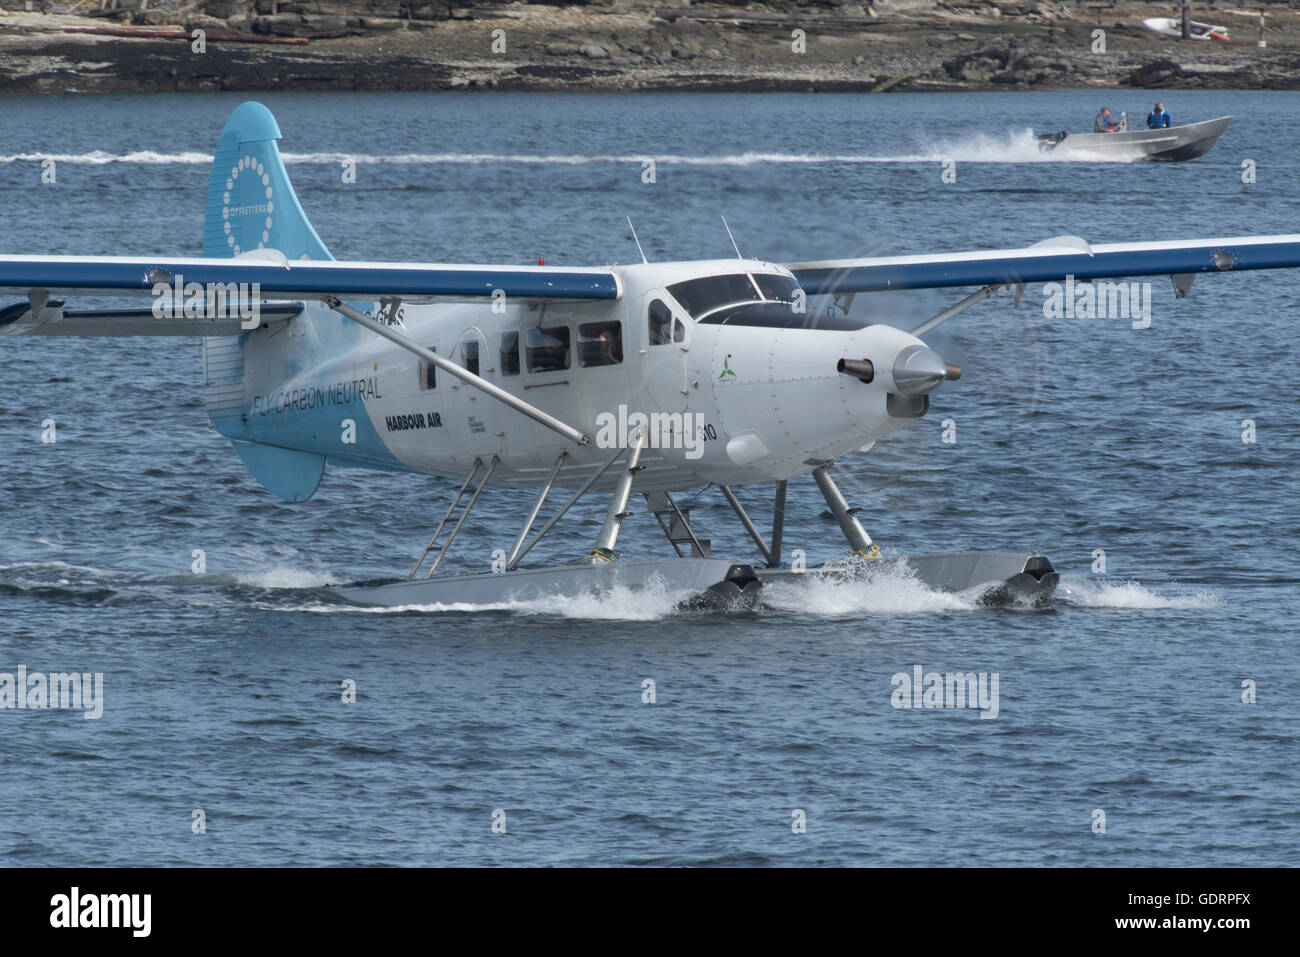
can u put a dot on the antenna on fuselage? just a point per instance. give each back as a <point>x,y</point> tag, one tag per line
<point>731,237</point>
<point>635,240</point>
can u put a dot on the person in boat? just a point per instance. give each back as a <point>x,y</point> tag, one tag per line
<point>1104,123</point>
<point>1158,119</point>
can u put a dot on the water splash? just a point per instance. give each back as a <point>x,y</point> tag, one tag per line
<point>1130,596</point>
<point>283,576</point>
<point>1013,146</point>
<point>880,588</point>
<point>885,588</point>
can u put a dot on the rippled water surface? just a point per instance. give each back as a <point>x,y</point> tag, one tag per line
<point>222,689</point>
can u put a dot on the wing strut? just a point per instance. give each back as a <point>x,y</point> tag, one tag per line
<point>940,318</point>
<point>449,367</point>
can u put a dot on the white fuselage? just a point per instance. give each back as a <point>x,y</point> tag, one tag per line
<point>755,398</point>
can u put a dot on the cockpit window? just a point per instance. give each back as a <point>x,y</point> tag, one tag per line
<point>664,328</point>
<point>780,288</point>
<point>698,296</point>
<point>781,315</point>
<point>661,324</point>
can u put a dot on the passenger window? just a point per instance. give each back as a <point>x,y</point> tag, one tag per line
<point>510,353</point>
<point>600,343</point>
<point>469,353</point>
<point>428,374</point>
<point>661,324</point>
<point>548,349</point>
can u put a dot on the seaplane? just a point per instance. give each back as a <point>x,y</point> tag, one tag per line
<point>651,379</point>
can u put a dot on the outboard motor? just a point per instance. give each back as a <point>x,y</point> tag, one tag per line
<point>1049,141</point>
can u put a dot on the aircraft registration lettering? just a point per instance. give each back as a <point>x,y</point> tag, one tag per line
<point>316,397</point>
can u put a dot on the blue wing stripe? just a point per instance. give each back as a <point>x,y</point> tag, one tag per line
<point>937,271</point>
<point>307,278</point>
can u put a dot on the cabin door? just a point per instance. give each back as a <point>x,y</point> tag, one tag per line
<point>665,334</point>
<point>474,419</point>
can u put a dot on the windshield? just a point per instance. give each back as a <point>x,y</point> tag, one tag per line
<point>780,288</point>
<point>698,296</point>
<point>701,296</point>
<point>780,315</point>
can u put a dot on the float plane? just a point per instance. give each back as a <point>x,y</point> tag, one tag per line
<point>653,378</point>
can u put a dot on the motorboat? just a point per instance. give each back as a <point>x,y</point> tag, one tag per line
<point>1167,143</point>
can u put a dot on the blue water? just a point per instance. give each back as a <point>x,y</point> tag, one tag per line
<point>222,689</point>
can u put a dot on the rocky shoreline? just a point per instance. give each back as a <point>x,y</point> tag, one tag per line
<point>630,45</point>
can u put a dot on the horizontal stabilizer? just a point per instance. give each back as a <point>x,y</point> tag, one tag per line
<point>54,320</point>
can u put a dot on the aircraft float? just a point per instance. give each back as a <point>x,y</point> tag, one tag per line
<point>653,379</point>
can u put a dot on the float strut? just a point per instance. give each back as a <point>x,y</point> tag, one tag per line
<point>617,511</point>
<point>778,526</point>
<point>464,515</point>
<point>537,507</point>
<point>745,520</point>
<point>858,538</point>
<point>478,464</point>
<point>510,566</point>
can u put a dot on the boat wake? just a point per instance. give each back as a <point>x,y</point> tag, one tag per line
<point>618,604</point>
<point>888,588</point>
<point>1013,146</point>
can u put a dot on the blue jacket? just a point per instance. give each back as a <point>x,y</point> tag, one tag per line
<point>1157,120</point>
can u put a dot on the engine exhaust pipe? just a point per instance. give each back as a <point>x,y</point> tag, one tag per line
<point>861,368</point>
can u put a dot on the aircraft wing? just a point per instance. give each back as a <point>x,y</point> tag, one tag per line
<point>1050,260</point>
<point>266,277</point>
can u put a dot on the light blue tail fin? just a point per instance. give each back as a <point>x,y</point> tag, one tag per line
<point>251,205</point>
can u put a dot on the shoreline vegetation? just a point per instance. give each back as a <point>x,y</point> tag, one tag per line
<point>633,45</point>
